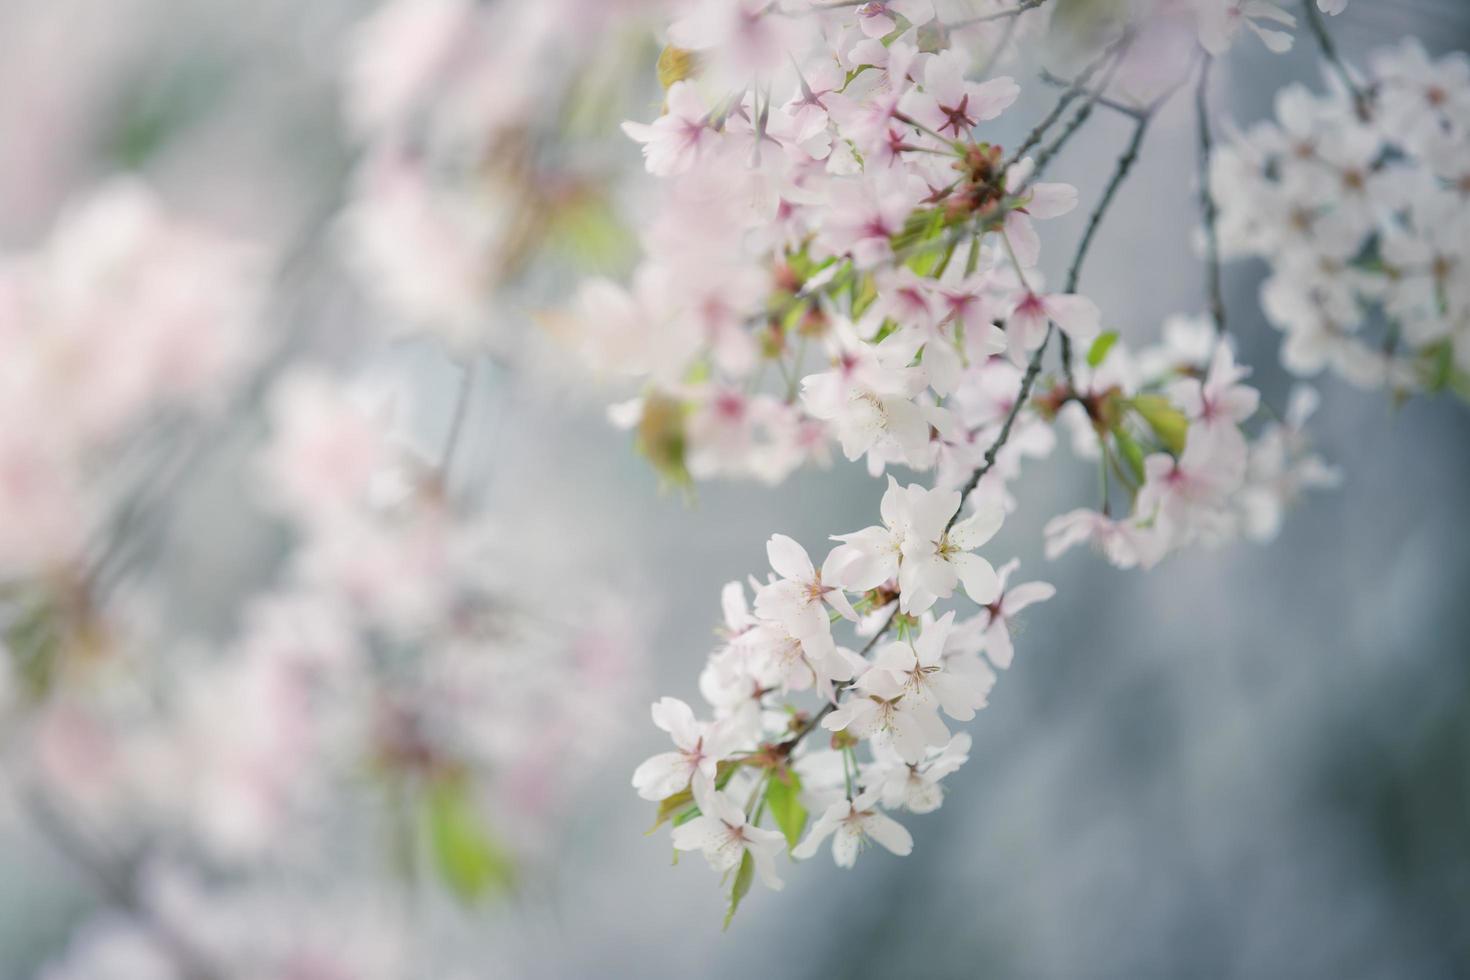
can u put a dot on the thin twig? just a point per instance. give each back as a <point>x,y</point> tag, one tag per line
<point>1012,13</point>
<point>1361,102</point>
<point>1120,174</point>
<point>1118,107</point>
<point>1078,87</point>
<point>1028,380</point>
<point>790,744</point>
<point>999,50</point>
<point>1208,209</point>
<point>456,421</point>
<point>116,884</point>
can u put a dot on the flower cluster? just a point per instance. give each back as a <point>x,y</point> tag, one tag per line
<point>1359,198</point>
<point>1168,424</point>
<point>126,315</point>
<point>842,258</point>
<point>836,247</point>
<point>887,746</point>
<point>456,105</point>
<point>389,685</point>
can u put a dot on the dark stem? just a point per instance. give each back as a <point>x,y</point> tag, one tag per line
<point>1120,173</point>
<point>1118,107</point>
<point>1361,103</point>
<point>1112,53</point>
<point>457,420</point>
<point>1015,11</point>
<point>116,884</point>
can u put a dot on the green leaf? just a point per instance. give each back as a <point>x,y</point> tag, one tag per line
<point>1459,383</point>
<point>1131,453</point>
<point>670,807</point>
<point>1168,423</point>
<point>588,231</point>
<point>660,438</point>
<point>1100,347</point>
<point>741,888</point>
<point>468,859</point>
<point>783,796</point>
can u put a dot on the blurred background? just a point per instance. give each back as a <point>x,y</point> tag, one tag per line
<point>1246,763</point>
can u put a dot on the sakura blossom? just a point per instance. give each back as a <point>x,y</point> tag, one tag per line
<point>902,315</point>
<point>322,623</point>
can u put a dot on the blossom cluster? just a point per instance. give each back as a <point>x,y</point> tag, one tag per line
<point>403,660</point>
<point>891,706</point>
<point>125,316</point>
<point>388,700</point>
<point>835,212</point>
<point>841,257</point>
<point>1169,425</point>
<point>830,198</point>
<point>1359,198</point>
<point>460,107</point>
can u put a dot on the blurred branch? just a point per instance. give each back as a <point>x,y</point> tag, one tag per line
<point>117,883</point>
<point>1208,208</point>
<point>1057,81</point>
<point>1112,56</point>
<point>1011,14</point>
<point>1361,103</point>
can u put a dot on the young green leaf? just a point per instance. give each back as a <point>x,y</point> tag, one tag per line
<point>1168,423</point>
<point>1130,452</point>
<point>468,860</point>
<point>670,807</point>
<point>1100,347</point>
<point>783,796</point>
<point>741,888</point>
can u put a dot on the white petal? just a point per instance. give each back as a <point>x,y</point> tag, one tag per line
<point>890,833</point>
<point>979,579</point>
<point>1026,594</point>
<point>662,775</point>
<point>676,718</point>
<point>1077,315</point>
<point>697,834</point>
<point>789,559</point>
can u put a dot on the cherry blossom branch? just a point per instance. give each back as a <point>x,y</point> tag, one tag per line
<point>1010,14</point>
<point>457,420</point>
<point>1362,104</point>
<point>117,886</point>
<point>1120,174</point>
<point>1209,210</point>
<point>789,746</point>
<point>999,49</point>
<point>1112,53</point>
<point>1059,82</point>
<point>1023,394</point>
<point>1028,380</point>
<point>1094,96</point>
